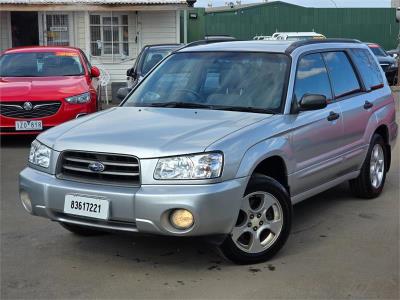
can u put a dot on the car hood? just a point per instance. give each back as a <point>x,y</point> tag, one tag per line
<point>148,132</point>
<point>41,88</point>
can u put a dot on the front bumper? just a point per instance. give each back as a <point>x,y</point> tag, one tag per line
<point>66,113</point>
<point>142,209</point>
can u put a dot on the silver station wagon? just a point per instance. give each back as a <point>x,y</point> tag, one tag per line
<point>221,140</point>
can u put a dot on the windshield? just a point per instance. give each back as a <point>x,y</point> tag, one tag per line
<point>153,57</point>
<point>377,51</point>
<point>40,64</point>
<point>216,80</point>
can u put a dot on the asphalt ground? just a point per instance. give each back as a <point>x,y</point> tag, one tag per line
<point>340,247</point>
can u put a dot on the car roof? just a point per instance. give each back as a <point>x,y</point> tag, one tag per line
<point>41,49</point>
<point>241,46</point>
<point>277,46</point>
<point>310,33</point>
<point>376,45</point>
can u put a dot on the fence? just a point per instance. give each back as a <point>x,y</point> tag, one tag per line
<point>366,24</point>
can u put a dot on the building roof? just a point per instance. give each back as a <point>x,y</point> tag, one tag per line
<point>94,2</point>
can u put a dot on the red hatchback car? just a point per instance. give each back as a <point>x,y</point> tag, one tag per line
<point>41,87</point>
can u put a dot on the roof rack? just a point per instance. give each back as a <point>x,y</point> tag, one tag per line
<point>162,45</point>
<point>298,44</point>
<point>209,40</point>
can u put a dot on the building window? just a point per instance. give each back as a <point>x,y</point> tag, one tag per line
<point>57,29</point>
<point>109,34</point>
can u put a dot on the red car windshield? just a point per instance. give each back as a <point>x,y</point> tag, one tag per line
<point>40,64</point>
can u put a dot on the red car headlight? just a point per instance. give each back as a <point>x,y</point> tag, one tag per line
<point>79,99</point>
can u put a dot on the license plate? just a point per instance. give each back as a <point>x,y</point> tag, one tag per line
<point>28,125</point>
<point>86,206</point>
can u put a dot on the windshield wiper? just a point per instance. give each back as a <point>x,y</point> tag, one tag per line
<point>247,109</point>
<point>177,104</point>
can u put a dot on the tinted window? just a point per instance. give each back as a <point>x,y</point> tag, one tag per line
<point>40,64</point>
<point>212,82</point>
<point>312,77</point>
<point>233,79</point>
<point>153,57</point>
<point>368,68</point>
<point>344,80</point>
<point>377,50</point>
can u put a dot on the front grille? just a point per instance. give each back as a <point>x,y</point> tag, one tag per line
<point>29,110</point>
<point>118,169</point>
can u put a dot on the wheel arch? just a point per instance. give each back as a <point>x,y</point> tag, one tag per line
<point>274,167</point>
<point>275,162</point>
<point>383,131</point>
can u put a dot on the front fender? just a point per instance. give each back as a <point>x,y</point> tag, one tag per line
<point>276,146</point>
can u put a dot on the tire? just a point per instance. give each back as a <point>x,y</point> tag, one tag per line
<point>364,186</point>
<point>81,230</point>
<point>267,207</point>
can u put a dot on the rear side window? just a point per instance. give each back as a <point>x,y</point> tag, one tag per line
<point>368,68</point>
<point>344,80</point>
<point>312,77</point>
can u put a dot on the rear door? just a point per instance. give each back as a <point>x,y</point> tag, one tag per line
<point>317,136</point>
<point>356,81</point>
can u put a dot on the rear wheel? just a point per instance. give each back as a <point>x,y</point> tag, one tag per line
<point>369,184</point>
<point>81,230</point>
<point>263,223</point>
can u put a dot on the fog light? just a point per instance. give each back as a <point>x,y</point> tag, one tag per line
<point>181,219</point>
<point>26,201</point>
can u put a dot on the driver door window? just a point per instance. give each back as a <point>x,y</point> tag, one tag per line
<point>312,77</point>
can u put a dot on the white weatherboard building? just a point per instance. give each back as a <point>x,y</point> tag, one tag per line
<point>110,32</point>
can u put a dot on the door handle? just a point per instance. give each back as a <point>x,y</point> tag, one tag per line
<point>333,116</point>
<point>368,105</point>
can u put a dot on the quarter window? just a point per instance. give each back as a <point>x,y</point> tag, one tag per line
<point>344,80</point>
<point>312,77</point>
<point>368,68</point>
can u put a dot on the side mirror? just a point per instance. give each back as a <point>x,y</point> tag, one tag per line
<point>131,73</point>
<point>312,102</point>
<point>95,72</point>
<point>122,93</point>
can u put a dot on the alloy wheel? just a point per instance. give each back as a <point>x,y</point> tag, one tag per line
<point>377,166</point>
<point>259,223</point>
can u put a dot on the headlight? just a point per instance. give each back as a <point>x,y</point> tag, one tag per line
<point>196,166</point>
<point>79,99</point>
<point>39,154</point>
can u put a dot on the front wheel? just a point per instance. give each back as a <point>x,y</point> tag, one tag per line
<point>263,223</point>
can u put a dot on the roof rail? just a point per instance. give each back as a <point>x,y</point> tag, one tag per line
<point>206,41</point>
<point>298,44</point>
